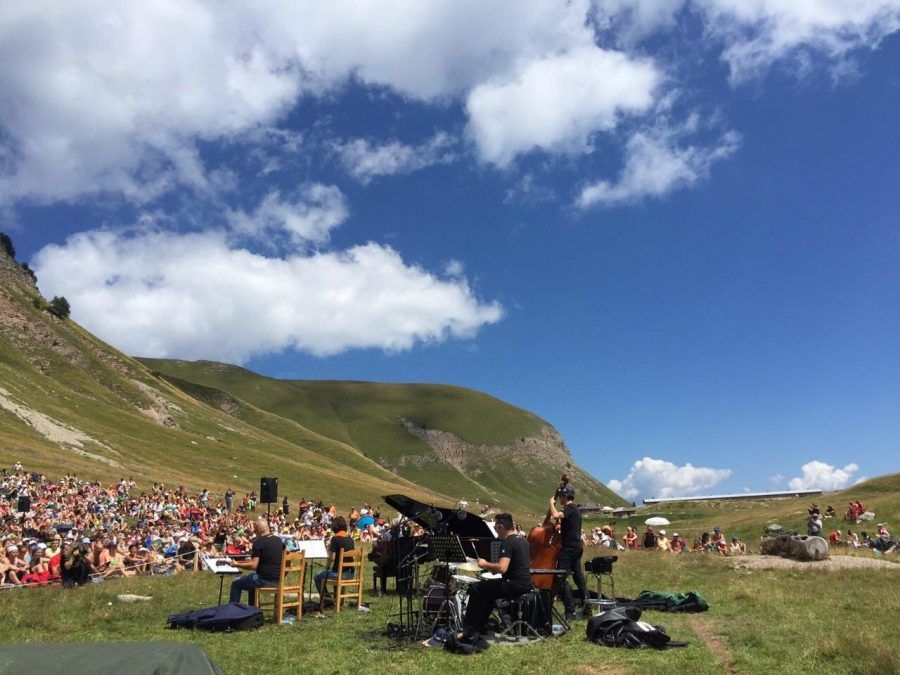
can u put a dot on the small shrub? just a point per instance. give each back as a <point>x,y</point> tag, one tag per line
<point>6,244</point>
<point>60,307</point>
<point>38,303</point>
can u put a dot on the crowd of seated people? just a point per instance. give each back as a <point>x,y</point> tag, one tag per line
<point>71,530</point>
<point>714,542</point>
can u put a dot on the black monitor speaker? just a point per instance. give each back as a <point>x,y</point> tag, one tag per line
<point>24,504</point>
<point>268,490</point>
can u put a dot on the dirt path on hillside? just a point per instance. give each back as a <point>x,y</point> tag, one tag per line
<point>715,643</point>
<point>833,562</point>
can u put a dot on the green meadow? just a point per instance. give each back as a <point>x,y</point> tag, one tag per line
<point>803,621</point>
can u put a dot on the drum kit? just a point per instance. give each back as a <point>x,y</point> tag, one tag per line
<point>447,594</point>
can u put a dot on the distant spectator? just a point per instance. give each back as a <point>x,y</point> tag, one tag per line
<point>649,542</point>
<point>829,512</point>
<point>631,538</point>
<point>834,539</point>
<point>677,545</point>
<point>719,542</point>
<point>662,541</point>
<point>737,546</point>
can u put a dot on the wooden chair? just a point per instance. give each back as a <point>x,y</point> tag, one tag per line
<point>346,589</point>
<point>291,564</point>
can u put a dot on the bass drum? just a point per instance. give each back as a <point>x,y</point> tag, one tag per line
<point>435,598</point>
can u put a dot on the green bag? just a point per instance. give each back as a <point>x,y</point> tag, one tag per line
<point>671,602</point>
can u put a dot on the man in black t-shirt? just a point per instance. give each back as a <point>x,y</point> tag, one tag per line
<point>265,561</point>
<point>572,549</point>
<point>513,564</point>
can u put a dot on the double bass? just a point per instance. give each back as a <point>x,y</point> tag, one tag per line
<point>545,543</point>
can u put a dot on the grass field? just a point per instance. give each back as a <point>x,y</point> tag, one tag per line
<point>759,622</point>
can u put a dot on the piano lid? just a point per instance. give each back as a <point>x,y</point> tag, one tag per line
<point>436,518</point>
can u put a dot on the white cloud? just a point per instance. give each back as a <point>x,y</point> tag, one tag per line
<point>309,217</point>
<point>651,477</point>
<point>365,159</point>
<point>556,103</point>
<point>816,475</point>
<point>629,21</point>
<point>112,97</point>
<point>156,293</point>
<point>102,97</point>
<point>655,166</point>
<point>757,33</point>
<point>528,190</point>
<point>777,479</point>
<point>109,97</point>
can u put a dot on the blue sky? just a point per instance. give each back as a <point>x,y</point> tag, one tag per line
<point>669,228</point>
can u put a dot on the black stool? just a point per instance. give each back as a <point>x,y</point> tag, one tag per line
<point>514,615</point>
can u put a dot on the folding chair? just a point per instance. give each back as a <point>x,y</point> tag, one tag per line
<point>291,564</point>
<point>345,589</point>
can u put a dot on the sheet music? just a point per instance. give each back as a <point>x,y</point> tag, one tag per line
<point>219,565</point>
<point>314,549</point>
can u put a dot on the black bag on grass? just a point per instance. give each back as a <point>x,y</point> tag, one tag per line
<point>227,618</point>
<point>462,643</point>
<point>620,627</point>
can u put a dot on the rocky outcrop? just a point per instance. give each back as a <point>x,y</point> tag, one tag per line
<point>546,448</point>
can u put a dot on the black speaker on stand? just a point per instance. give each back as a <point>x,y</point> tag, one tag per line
<point>24,505</point>
<point>268,492</point>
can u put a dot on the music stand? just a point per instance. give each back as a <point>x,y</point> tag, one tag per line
<point>446,548</point>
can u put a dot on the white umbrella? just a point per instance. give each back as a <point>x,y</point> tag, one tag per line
<point>656,521</point>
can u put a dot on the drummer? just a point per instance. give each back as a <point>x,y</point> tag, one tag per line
<point>513,565</point>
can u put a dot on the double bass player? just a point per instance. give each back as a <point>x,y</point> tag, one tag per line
<point>572,548</point>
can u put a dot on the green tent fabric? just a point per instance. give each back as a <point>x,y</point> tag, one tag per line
<point>158,658</point>
<point>671,602</point>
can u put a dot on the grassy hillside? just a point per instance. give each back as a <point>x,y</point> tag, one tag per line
<point>494,462</point>
<point>68,401</point>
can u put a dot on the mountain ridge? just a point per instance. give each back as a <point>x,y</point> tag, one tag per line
<point>70,401</point>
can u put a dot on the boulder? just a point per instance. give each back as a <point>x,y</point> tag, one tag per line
<point>798,547</point>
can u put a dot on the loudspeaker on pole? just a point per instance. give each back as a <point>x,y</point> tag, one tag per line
<point>268,490</point>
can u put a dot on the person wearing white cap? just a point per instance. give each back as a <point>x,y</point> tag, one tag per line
<point>662,541</point>
<point>17,566</point>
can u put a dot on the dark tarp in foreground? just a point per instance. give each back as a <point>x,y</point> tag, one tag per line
<point>159,658</point>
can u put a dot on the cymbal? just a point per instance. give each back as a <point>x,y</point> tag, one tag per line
<point>468,566</point>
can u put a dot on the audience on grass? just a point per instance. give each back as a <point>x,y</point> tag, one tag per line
<point>73,531</point>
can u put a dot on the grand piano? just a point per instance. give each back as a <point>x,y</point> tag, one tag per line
<point>476,536</point>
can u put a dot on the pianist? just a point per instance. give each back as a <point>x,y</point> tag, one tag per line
<point>264,563</point>
<point>513,564</point>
